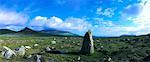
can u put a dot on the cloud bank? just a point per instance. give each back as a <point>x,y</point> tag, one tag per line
<point>69,24</point>
<point>12,19</point>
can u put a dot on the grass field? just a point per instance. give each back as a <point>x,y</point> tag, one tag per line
<point>124,49</point>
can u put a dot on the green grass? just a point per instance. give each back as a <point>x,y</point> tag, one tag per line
<point>119,51</point>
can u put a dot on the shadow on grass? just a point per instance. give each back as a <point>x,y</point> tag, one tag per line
<point>73,53</point>
<point>70,53</point>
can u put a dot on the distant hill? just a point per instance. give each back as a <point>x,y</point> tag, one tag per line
<point>29,32</point>
<point>126,35</point>
<point>6,31</point>
<point>55,32</point>
<point>146,35</point>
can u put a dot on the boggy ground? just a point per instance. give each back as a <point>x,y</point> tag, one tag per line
<point>122,49</point>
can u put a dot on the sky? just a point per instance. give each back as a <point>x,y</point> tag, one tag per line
<point>102,17</point>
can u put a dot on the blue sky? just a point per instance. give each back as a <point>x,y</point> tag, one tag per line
<point>103,17</point>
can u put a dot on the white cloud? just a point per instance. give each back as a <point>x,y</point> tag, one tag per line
<point>69,24</point>
<point>102,22</point>
<point>109,12</point>
<point>77,23</point>
<point>130,11</point>
<point>11,19</point>
<point>54,22</point>
<point>109,28</point>
<point>38,22</point>
<point>139,17</point>
<point>142,20</point>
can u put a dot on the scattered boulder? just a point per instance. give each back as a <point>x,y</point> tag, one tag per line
<point>35,45</point>
<point>27,47</point>
<point>102,47</point>
<point>21,51</point>
<point>79,58</point>
<point>109,59</point>
<point>53,50</point>
<point>87,45</point>
<point>39,58</point>
<point>48,49</point>
<point>66,38</point>
<point>53,42</point>
<point>7,53</point>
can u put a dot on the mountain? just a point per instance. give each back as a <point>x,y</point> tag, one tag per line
<point>29,32</point>
<point>6,31</point>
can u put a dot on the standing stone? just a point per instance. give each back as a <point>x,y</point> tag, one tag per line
<point>87,45</point>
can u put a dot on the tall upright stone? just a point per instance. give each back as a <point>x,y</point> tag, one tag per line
<point>87,45</point>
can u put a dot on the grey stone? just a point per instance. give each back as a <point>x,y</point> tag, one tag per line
<point>35,45</point>
<point>87,45</point>
<point>21,51</point>
<point>7,53</point>
<point>39,58</point>
<point>48,49</point>
<point>53,42</point>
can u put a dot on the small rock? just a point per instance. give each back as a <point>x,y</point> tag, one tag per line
<point>27,47</point>
<point>39,58</point>
<point>53,42</point>
<point>54,51</point>
<point>53,48</point>
<point>66,38</point>
<point>109,59</point>
<point>35,45</point>
<point>48,49</point>
<point>73,42</point>
<point>79,58</point>
<point>102,46</point>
